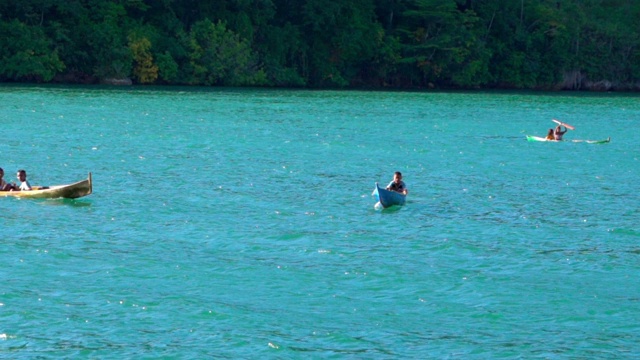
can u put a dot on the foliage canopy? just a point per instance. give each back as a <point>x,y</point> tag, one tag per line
<point>525,44</point>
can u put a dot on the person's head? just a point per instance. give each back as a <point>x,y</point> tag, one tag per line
<point>550,132</point>
<point>1,173</point>
<point>397,176</point>
<point>22,175</point>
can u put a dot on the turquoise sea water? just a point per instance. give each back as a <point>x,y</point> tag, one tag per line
<point>240,224</point>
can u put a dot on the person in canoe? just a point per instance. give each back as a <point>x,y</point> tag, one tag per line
<point>24,184</point>
<point>550,135</point>
<point>397,184</point>
<point>5,186</point>
<point>557,133</point>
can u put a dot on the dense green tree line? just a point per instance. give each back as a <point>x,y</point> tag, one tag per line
<point>526,44</point>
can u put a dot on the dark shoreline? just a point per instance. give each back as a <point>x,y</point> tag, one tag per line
<point>590,87</point>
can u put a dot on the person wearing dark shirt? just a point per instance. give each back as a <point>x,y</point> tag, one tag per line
<point>397,184</point>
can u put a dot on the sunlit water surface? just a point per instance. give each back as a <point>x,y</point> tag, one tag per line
<point>240,224</point>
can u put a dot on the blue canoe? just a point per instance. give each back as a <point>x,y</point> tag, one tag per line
<point>388,198</point>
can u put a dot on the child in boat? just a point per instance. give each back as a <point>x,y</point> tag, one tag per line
<point>397,184</point>
<point>550,135</point>
<point>24,184</point>
<point>5,186</point>
<point>557,133</point>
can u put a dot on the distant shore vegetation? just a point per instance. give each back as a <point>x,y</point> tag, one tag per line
<point>373,44</point>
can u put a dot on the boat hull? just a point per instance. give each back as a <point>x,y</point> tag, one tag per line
<point>537,138</point>
<point>594,141</point>
<point>388,198</point>
<point>69,191</point>
<point>541,139</point>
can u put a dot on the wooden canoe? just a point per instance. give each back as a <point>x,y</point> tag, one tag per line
<point>388,198</point>
<point>69,191</point>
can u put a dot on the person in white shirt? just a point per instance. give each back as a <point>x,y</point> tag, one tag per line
<point>24,184</point>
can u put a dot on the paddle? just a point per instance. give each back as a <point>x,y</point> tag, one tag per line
<point>563,124</point>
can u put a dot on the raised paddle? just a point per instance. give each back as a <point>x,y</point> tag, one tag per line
<point>563,124</point>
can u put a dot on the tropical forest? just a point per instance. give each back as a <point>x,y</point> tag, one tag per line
<point>368,44</point>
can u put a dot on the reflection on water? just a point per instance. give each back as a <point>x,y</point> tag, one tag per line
<point>62,202</point>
